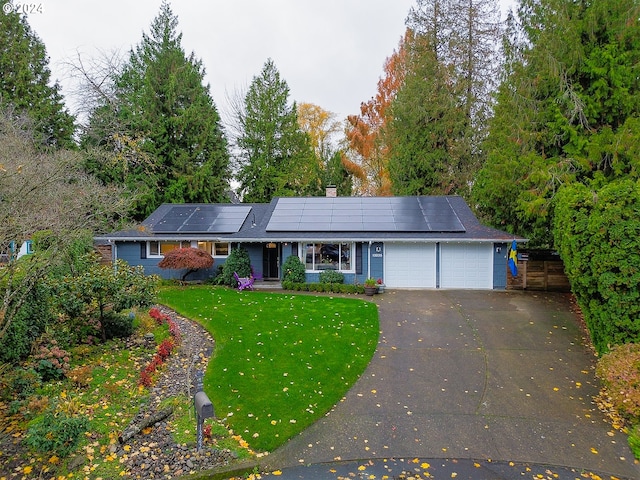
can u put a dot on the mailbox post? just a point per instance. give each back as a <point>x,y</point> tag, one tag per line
<point>204,409</point>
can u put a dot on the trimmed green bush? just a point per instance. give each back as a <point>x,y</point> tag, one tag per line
<point>117,325</point>
<point>597,233</point>
<point>293,270</point>
<point>331,276</point>
<point>239,262</point>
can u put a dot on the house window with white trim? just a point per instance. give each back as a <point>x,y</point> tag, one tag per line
<point>158,248</point>
<point>215,249</point>
<point>328,256</point>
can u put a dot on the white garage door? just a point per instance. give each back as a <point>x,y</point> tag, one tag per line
<point>410,265</point>
<point>466,265</point>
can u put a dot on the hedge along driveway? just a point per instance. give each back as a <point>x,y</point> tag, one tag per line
<point>280,361</point>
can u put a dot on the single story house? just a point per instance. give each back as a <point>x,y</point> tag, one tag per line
<point>408,242</point>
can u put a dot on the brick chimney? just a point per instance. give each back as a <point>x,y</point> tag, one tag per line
<point>331,191</point>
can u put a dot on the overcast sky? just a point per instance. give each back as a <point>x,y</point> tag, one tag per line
<point>330,52</point>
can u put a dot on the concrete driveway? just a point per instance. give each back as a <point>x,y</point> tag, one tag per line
<point>495,384</point>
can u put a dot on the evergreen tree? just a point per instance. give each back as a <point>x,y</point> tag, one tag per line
<point>567,111</point>
<point>163,125</point>
<point>25,82</point>
<point>425,123</point>
<point>440,112</point>
<point>275,155</point>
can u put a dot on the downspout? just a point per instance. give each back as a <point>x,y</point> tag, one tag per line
<point>369,261</point>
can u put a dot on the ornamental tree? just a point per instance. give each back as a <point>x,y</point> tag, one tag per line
<point>102,294</point>
<point>43,194</point>
<point>189,259</point>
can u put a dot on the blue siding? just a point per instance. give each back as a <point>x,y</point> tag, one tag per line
<point>500,266</point>
<point>255,256</point>
<point>130,253</point>
<point>377,260</point>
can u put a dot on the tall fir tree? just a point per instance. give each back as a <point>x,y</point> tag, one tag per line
<point>163,125</point>
<point>25,82</point>
<point>439,114</point>
<point>567,111</point>
<point>275,156</point>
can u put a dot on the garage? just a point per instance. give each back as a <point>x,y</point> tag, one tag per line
<point>410,265</point>
<point>466,265</point>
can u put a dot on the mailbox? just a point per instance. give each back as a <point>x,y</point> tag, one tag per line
<point>204,407</point>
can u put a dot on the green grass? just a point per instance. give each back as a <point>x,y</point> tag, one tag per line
<point>280,361</point>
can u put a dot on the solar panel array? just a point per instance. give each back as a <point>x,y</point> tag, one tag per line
<point>202,219</point>
<point>364,214</point>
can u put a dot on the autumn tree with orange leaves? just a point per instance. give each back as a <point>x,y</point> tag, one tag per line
<point>322,128</point>
<point>365,133</point>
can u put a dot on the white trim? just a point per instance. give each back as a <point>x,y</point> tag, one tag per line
<point>302,256</point>
<point>192,243</point>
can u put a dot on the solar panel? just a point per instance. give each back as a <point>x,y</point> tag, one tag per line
<point>202,219</point>
<point>364,214</point>
<point>440,215</point>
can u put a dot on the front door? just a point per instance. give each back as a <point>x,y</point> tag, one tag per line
<point>270,261</point>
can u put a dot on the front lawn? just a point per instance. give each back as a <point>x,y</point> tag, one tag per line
<point>281,361</point>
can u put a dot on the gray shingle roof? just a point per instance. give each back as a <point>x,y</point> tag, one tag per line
<point>423,218</point>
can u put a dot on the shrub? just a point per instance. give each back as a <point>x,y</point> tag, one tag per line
<point>102,292</point>
<point>18,383</point>
<point>634,440</point>
<point>293,270</point>
<point>597,233</point>
<point>619,371</point>
<point>81,376</point>
<point>238,261</point>
<point>157,315</point>
<point>51,362</point>
<point>59,434</point>
<point>117,325</point>
<point>164,349</point>
<point>27,325</point>
<point>331,276</point>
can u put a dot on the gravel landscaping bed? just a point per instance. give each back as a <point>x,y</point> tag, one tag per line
<point>153,453</point>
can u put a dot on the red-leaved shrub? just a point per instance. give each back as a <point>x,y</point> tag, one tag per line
<point>164,349</point>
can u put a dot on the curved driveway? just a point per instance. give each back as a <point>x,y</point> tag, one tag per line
<point>487,376</point>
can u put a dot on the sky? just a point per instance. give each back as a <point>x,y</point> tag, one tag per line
<point>330,52</point>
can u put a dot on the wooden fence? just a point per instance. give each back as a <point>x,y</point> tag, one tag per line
<point>104,251</point>
<point>547,275</point>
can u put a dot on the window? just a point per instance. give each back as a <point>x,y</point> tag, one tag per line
<point>328,256</point>
<point>158,249</point>
<point>215,249</point>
